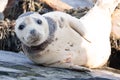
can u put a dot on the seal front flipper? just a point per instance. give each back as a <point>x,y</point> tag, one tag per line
<point>76,25</point>
<point>65,20</point>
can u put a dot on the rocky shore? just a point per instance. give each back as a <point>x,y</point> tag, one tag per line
<point>15,66</point>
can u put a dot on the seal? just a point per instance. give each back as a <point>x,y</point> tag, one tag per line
<point>51,40</point>
<point>57,39</point>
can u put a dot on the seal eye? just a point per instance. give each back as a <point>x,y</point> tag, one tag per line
<point>21,27</point>
<point>39,21</point>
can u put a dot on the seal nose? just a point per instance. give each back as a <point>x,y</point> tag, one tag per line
<point>33,32</point>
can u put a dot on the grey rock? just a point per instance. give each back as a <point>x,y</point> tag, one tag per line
<point>80,3</point>
<point>16,66</point>
<point>2,77</point>
<point>1,16</point>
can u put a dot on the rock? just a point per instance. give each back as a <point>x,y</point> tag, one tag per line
<point>19,67</point>
<point>77,12</point>
<point>80,3</point>
<point>1,16</point>
<point>8,39</point>
<point>115,23</point>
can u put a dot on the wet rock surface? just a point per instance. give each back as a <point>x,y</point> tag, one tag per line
<point>19,67</point>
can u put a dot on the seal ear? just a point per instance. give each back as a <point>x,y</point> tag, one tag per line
<point>76,25</point>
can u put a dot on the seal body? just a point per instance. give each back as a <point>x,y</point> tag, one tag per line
<point>51,40</point>
<point>98,28</point>
<point>3,4</point>
<point>57,39</point>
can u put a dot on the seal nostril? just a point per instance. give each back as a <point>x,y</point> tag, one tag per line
<point>33,32</point>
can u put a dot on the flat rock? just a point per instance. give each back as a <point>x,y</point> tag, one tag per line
<point>16,66</point>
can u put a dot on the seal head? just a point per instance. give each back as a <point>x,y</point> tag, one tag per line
<point>32,29</point>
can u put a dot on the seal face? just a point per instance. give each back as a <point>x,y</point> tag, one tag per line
<point>32,29</point>
<point>52,28</point>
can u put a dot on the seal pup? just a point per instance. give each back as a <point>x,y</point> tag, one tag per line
<point>57,39</point>
<point>52,40</point>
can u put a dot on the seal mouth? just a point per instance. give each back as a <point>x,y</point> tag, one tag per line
<point>36,40</point>
<point>32,41</point>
